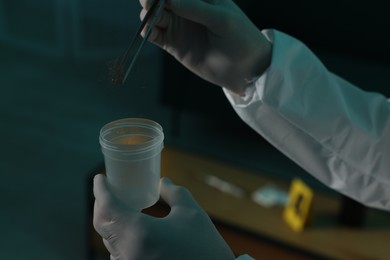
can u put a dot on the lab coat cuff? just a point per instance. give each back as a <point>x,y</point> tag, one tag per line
<point>253,93</point>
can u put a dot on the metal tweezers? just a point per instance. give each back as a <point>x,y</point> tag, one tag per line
<point>123,68</point>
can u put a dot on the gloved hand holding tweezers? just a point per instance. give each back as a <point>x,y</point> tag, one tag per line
<point>126,63</point>
<point>212,38</point>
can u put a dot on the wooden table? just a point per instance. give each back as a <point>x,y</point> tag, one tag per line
<point>261,232</point>
<point>323,237</point>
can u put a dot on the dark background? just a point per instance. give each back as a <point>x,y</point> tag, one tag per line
<point>55,60</point>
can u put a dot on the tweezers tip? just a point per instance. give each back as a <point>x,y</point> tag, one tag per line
<point>120,75</point>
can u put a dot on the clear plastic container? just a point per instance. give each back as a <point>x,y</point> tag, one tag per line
<point>132,154</point>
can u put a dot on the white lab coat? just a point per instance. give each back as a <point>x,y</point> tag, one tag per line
<point>335,131</point>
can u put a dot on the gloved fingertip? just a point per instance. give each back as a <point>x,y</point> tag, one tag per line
<point>167,183</point>
<point>166,180</point>
<point>100,186</point>
<point>99,175</point>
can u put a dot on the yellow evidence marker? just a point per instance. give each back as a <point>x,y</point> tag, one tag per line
<point>298,208</point>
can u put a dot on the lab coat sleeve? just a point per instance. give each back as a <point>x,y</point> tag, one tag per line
<point>335,131</point>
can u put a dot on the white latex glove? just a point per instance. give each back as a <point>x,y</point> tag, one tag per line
<point>214,39</point>
<point>185,233</point>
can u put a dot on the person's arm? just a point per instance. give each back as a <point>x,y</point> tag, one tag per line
<point>335,131</point>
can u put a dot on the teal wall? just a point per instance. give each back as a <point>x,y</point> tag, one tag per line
<point>55,59</point>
